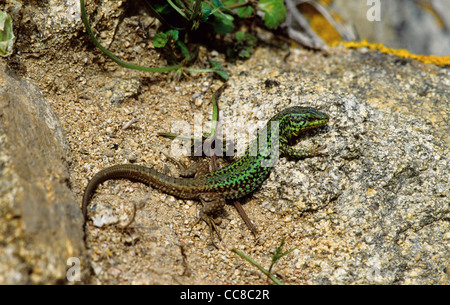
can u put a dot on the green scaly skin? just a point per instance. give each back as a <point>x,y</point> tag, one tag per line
<point>234,181</point>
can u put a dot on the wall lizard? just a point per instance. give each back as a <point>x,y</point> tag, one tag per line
<point>233,181</point>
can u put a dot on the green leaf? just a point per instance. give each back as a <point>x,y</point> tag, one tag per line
<point>244,53</point>
<point>219,70</point>
<point>222,23</point>
<point>217,3</point>
<point>231,2</point>
<point>172,34</point>
<point>275,12</point>
<point>245,11</point>
<point>163,9</point>
<point>206,11</point>
<point>7,37</point>
<point>184,50</point>
<point>244,44</point>
<point>240,36</point>
<point>178,74</point>
<point>160,40</point>
<point>178,9</point>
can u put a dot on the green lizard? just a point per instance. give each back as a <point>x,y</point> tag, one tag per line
<point>233,181</point>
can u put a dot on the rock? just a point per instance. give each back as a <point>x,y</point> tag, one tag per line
<point>376,208</point>
<point>40,223</point>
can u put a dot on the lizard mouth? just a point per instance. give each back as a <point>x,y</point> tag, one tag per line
<point>312,125</point>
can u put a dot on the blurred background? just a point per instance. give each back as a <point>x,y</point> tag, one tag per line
<point>420,26</point>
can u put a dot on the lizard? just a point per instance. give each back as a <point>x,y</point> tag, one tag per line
<point>234,181</point>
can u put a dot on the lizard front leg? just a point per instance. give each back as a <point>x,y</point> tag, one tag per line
<point>288,151</point>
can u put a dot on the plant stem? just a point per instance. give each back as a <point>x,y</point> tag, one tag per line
<point>115,58</point>
<point>257,266</point>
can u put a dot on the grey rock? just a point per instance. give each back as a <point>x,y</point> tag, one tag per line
<point>41,224</point>
<point>376,209</point>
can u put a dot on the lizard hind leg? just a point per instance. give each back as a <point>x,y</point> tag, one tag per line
<point>213,203</point>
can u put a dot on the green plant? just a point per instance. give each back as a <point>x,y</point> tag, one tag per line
<point>184,19</point>
<point>243,44</point>
<point>278,253</point>
<point>220,15</point>
<point>207,136</point>
<point>6,34</point>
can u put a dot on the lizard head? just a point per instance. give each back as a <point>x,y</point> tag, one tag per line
<point>295,120</point>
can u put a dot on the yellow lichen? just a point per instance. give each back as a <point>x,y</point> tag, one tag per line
<point>437,60</point>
